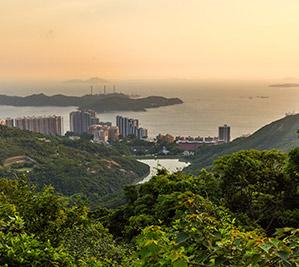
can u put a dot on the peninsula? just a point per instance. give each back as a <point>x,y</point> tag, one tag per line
<point>99,103</point>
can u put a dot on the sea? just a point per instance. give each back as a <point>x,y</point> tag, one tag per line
<point>244,105</point>
<point>171,165</point>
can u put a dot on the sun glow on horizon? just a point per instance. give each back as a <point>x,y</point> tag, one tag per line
<point>129,39</point>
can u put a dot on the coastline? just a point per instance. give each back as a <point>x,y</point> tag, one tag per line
<point>140,179</point>
<point>149,157</point>
<point>171,164</point>
<point>100,103</point>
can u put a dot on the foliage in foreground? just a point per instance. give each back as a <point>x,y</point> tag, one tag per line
<point>243,213</point>
<point>202,238</point>
<point>44,229</point>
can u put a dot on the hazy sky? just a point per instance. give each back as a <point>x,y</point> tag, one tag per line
<point>64,39</point>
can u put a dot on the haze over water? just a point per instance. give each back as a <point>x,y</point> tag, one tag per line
<point>246,106</point>
<point>133,39</point>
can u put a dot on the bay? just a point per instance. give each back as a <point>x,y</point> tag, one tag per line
<point>245,106</point>
<point>172,165</point>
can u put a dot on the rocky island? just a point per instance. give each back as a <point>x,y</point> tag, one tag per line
<point>285,85</point>
<point>99,103</point>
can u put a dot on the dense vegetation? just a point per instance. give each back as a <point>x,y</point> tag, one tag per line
<point>280,134</point>
<point>44,229</point>
<point>99,103</point>
<point>243,212</point>
<point>72,167</point>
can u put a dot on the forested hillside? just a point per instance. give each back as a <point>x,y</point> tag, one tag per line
<point>244,212</point>
<point>280,134</point>
<point>72,167</point>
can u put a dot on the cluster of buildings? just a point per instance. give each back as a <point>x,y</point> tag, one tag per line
<point>192,143</point>
<point>104,133</point>
<point>7,122</point>
<point>81,122</point>
<point>86,122</point>
<point>128,127</point>
<point>50,125</point>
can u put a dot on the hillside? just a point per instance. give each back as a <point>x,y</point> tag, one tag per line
<point>72,167</point>
<point>99,103</point>
<point>242,213</point>
<point>280,134</point>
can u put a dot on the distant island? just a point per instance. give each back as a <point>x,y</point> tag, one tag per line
<point>286,85</point>
<point>93,80</point>
<point>99,103</point>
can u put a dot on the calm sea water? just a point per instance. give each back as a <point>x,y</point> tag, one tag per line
<point>246,106</point>
<point>172,165</point>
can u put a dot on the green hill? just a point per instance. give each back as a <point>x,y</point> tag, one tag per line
<point>280,134</point>
<point>72,167</point>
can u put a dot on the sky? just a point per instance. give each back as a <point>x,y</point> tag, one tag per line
<point>148,39</point>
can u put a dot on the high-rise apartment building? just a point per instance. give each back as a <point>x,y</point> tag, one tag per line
<point>52,125</point>
<point>130,127</point>
<point>224,133</point>
<point>81,120</point>
<point>7,122</point>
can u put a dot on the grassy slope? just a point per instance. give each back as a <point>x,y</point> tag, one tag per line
<point>70,166</point>
<point>280,134</point>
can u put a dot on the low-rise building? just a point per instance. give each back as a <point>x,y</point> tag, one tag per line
<point>103,133</point>
<point>165,138</point>
<point>188,153</point>
<point>113,133</point>
<point>192,144</point>
<point>99,132</point>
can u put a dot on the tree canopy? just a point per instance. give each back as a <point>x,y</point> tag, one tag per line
<point>244,211</point>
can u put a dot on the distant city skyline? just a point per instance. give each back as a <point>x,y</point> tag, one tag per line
<point>133,39</point>
<point>48,125</point>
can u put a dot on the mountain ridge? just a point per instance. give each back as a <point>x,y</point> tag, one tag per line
<point>280,134</point>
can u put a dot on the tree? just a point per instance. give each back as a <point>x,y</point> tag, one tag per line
<point>254,183</point>
<point>41,228</point>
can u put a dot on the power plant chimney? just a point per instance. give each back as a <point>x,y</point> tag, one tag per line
<point>91,90</point>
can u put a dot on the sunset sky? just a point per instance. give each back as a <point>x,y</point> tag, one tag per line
<point>128,39</point>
